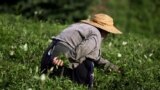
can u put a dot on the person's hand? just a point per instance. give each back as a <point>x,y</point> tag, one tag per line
<point>118,70</point>
<point>57,61</point>
<point>115,68</point>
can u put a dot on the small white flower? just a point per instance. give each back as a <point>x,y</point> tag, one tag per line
<point>29,89</point>
<point>35,12</point>
<point>145,56</point>
<point>110,44</point>
<point>52,68</point>
<point>43,77</point>
<point>150,54</point>
<point>36,69</point>
<point>139,44</point>
<point>140,61</point>
<point>25,47</point>
<point>124,43</point>
<point>11,53</point>
<point>119,55</point>
<point>49,41</point>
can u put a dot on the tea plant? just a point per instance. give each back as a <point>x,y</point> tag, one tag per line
<point>22,43</point>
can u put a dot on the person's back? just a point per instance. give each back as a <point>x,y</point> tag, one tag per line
<point>83,39</point>
<point>76,33</point>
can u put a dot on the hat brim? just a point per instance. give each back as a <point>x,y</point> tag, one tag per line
<point>106,28</point>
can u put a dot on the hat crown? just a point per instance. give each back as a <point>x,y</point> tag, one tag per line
<point>102,19</point>
<point>104,22</point>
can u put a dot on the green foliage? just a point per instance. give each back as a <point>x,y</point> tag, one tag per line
<point>65,60</point>
<point>21,48</point>
<point>50,10</point>
<point>23,42</point>
<point>138,16</point>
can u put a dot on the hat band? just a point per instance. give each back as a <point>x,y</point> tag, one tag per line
<point>103,23</point>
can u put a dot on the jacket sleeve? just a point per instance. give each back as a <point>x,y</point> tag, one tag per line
<point>103,61</point>
<point>85,47</point>
<point>100,61</point>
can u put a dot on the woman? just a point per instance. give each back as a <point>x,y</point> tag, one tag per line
<point>80,45</point>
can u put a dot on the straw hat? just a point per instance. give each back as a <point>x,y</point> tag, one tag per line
<point>104,22</point>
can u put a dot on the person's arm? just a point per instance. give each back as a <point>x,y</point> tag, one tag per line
<point>85,47</point>
<point>103,62</point>
<point>107,65</point>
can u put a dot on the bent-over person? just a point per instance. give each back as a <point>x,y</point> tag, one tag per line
<point>80,44</point>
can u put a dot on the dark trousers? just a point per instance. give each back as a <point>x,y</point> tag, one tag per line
<point>82,74</point>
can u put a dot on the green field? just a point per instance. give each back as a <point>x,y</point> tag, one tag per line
<point>23,41</point>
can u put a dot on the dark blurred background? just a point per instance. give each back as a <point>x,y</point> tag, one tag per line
<point>142,16</point>
<point>52,10</point>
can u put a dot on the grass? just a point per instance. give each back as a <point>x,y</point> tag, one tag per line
<point>22,43</point>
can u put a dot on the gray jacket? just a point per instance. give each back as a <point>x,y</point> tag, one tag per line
<point>84,40</point>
